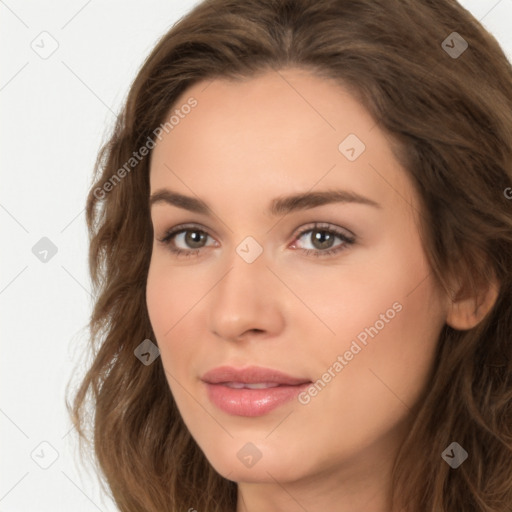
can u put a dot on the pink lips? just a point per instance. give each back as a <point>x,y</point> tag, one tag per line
<point>277,388</point>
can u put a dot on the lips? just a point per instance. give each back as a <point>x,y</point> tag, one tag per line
<point>251,375</point>
<point>252,391</point>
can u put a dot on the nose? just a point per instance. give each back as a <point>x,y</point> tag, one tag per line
<point>247,301</point>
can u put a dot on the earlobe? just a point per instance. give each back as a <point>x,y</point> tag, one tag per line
<point>466,312</point>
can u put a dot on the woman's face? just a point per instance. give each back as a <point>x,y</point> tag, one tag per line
<point>334,291</point>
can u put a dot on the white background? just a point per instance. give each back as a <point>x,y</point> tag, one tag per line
<point>55,114</point>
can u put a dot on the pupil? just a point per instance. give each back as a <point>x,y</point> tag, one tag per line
<point>194,237</point>
<point>322,237</point>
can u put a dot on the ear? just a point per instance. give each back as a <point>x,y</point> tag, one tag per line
<point>467,309</point>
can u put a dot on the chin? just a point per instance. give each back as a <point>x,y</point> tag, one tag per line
<point>243,462</point>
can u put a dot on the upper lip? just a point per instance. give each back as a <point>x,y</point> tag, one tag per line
<point>250,375</point>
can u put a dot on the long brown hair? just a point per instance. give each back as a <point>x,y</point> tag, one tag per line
<point>449,118</point>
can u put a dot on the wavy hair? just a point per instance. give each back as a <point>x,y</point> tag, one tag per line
<point>449,119</point>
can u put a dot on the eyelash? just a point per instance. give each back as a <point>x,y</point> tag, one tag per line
<point>327,228</point>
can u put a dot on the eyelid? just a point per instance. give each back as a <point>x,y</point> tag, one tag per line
<point>297,233</point>
<point>179,228</point>
<point>347,237</point>
<point>338,230</point>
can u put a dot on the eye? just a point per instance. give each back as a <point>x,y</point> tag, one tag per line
<point>322,239</point>
<point>188,240</point>
<point>191,238</point>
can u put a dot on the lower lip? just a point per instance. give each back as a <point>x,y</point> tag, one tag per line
<point>251,402</point>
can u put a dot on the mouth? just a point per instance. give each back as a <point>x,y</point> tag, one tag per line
<point>256,385</point>
<point>251,391</point>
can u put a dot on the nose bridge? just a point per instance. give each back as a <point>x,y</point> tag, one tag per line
<point>245,298</point>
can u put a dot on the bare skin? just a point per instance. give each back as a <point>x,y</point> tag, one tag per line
<point>245,144</point>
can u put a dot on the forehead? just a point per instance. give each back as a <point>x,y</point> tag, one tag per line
<point>280,132</point>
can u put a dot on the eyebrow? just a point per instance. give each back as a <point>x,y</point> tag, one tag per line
<point>278,206</point>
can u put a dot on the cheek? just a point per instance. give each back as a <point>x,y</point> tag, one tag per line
<point>174,296</point>
<point>170,292</point>
<point>387,321</point>
<point>385,360</point>
<point>397,348</point>
<point>158,297</point>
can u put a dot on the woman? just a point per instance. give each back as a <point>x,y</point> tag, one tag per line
<point>301,244</point>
